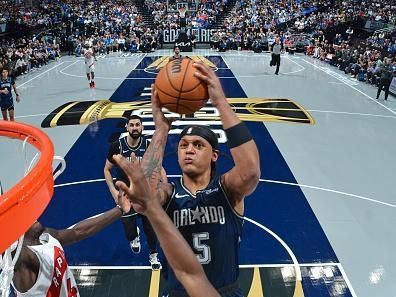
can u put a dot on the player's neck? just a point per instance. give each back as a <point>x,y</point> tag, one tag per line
<point>196,183</point>
<point>132,142</point>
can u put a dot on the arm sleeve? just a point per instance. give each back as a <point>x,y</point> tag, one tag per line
<point>114,150</point>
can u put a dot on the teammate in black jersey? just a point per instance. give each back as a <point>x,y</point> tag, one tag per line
<point>132,142</point>
<point>6,100</point>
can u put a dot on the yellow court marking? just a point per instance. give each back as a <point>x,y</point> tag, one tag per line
<point>54,121</point>
<point>256,290</point>
<point>154,283</point>
<point>298,290</point>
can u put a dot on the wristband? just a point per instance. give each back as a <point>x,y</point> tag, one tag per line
<point>237,135</point>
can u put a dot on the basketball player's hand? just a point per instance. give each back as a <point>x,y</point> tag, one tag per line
<point>139,192</point>
<point>18,98</point>
<point>115,195</point>
<point>160,120</point>
<point>206,74</point>
<point>123,202</point>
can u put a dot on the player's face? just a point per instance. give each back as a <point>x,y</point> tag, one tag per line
<point>135,128</point>
<point>177,51</point>
<point>195,155</point>
<point>34,232</point>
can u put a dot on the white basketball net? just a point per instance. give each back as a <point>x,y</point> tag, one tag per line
<point>7,261</point>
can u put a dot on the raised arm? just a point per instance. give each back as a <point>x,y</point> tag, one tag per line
<point>177,251</point>
<point>153,157</point>
<point>88,227</point>
<point>243,178</point>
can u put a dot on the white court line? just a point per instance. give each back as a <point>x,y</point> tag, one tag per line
<point>327,190</point>
<point>261,180</point>
<point>272,233</point>
<point>101,77</point>
<point>283,243</point>
<point>289,265</point>
<point>79,182</point>
<point>32,115</point>
<point>302,68</point>
<point>347,281</point>
<point>240,266</point>
<point>225,62</point>
<point>356,89</point>
<point>147,78</point>
<point>298,64</point>
<point>353,113</point>
<point>24,83</point>
<point>335,82</point>
<point>110,267</point>
<point>296,265</point>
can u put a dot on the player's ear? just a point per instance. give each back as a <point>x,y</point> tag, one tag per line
<point>215,155</point>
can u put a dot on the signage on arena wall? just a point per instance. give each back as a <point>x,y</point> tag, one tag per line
<point>201,35</point>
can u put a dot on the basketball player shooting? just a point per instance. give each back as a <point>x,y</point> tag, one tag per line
<point>206,208</point>
<point>179,255</point>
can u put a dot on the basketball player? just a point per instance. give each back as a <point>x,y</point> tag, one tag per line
<point>206,208</point>
<point>6,100</point>
<point>179,255</point>
<point>42,269</point>
<point>176,54</point>
<point>133,142</point>
<point>89,59</point>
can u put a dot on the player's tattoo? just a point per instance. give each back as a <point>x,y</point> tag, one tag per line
<point>152,159</point>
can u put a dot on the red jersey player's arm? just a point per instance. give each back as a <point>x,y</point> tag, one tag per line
<point>87,227</point>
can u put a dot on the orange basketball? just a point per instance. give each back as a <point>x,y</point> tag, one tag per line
<point>178,89</point>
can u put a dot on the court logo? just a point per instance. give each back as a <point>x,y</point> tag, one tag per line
<point>247,109</point>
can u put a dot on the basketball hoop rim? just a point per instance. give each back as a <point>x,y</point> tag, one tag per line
<point>21,206</point>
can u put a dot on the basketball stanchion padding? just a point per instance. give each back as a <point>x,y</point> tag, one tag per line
<point>22,205</point>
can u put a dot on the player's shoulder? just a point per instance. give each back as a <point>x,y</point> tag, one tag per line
<point>115,146</point>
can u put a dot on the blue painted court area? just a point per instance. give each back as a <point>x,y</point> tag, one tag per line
<point>282,209</point>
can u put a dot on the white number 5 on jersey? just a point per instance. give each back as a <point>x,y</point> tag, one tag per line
<point>204,256</point>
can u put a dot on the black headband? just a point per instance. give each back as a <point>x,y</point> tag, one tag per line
<point>202,131</point>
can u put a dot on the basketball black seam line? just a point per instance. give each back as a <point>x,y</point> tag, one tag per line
<point>167,76</point>
<point>181,87</point>
<point>199,82</point>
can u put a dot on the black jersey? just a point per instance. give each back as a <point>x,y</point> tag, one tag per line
<point>211,227</point>
<point>122,147</point>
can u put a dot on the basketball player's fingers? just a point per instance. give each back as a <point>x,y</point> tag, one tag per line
<point>133,157</point>
<point>201,67</point>
<point>201,76</point>
<point>124,188</point>
<point>124,165</point>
